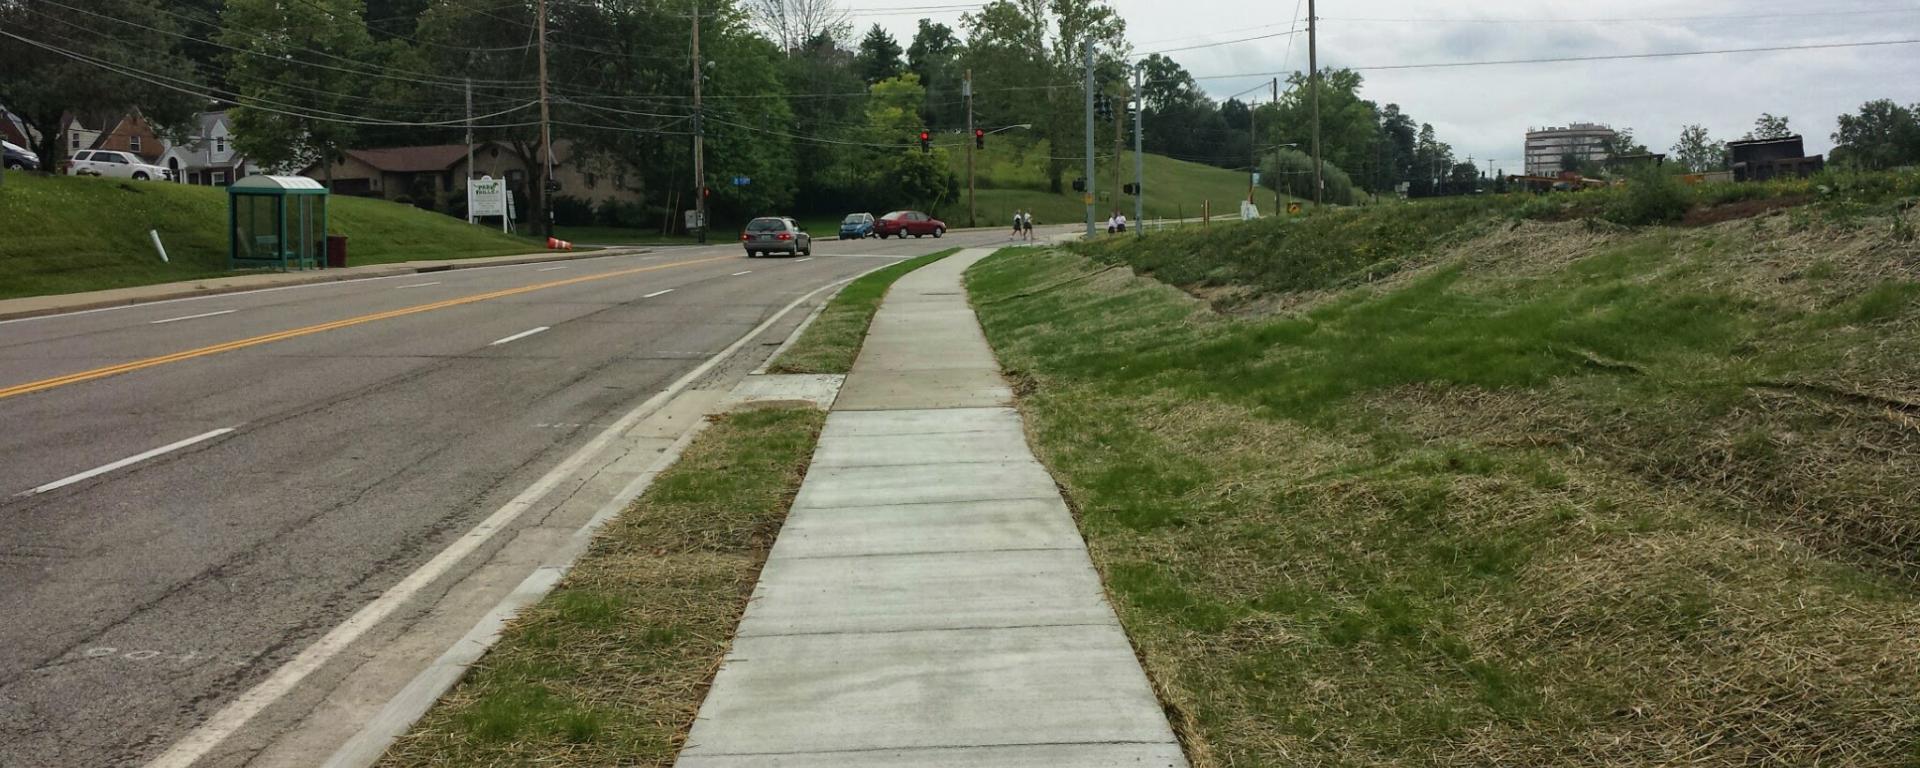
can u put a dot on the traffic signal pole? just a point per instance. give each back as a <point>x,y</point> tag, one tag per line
<point>1139,164</point>
<point>1313,64</point>
<point>546,128</point>
<point>966,90</point>
<point>699,135</point>
<point>1087,52</point>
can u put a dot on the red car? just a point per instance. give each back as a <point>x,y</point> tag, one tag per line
<point>903,223</point>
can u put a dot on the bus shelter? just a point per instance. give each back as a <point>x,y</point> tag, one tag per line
<point>276,222</point>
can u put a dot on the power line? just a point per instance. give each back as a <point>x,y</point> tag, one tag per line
<point>1620,19</point>
<point>1570,59</point>
<point>209,94</point>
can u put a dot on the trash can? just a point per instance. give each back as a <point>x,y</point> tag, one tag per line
<point>336,251</point>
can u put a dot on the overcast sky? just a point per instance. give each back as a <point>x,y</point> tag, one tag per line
<point>1485,111</point>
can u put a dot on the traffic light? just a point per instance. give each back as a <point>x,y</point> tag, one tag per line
<point>1080,184</point>
<point>979,138</point>
<point>1103,107</point>
<point>1131,189</point>
<point>926,142</point>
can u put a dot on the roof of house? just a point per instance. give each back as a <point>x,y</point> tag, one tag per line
<point>1755,142</point>
<point>436,157</point>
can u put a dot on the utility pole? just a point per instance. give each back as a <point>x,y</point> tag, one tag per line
<point>966,91</point>
<point>466,186</point>
<point>699,134</point>
<point>1313,63</point>
<point>1087,52</point>
<point>546,127</point>
<point>1139,165</point>
<point>1119,145</point>
<point>1253,147</point>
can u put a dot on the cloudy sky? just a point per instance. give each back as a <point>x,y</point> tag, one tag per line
<point>1485,111</point>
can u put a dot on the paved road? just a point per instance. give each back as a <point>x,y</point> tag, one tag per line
<point>371,424</point>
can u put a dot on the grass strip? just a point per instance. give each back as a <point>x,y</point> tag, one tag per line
<point>611,667</point>
<point>1520,508</point>
<point>67,234</point>
<point>833,340</point>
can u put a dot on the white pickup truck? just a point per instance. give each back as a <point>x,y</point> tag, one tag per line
<point>120,165</point>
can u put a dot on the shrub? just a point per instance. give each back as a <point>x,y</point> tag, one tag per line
<point>624,214</point>
<point>1291,171</point>
<point>570,211</point>
<point>1650,197</point>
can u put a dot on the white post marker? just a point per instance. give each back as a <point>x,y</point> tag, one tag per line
<point>155,234</point>
<point>126,462</point>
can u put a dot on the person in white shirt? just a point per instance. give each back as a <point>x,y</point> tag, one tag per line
<point>1119,222</point>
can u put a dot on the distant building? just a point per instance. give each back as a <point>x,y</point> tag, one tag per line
<point>430,176</point>
<point>1763,159</point>
<point>208,156</point>
<point>1548,148</point>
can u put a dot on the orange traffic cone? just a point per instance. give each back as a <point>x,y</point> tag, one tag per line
<point>557,244</point>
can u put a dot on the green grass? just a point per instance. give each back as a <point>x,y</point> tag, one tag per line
<point>1545,496</point>
<point>1011,175</point>
<point>66,234</point>
<point>832,342</point>
<point>611,667</point>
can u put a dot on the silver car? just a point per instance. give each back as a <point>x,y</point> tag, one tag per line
<point>772,234</point>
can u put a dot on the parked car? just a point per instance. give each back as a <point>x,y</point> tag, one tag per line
<point>856,226</point>
<point>119,165</point>
<point>19,158</point>
<point>773,234</point>
<point>903,223</point>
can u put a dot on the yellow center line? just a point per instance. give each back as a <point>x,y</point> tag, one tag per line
<point>114,370</point>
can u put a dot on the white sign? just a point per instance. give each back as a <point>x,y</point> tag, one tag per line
<point>693,219</point>
<point>487,196</point>
<point>1249,211</point>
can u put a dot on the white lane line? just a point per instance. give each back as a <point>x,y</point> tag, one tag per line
<point>737,274</point>
<point>126,462</point>
<point>519,336</point>
<point>235,715</point>
<point>809,258</point>
<point>550,269</point>
<point>658,293</point>
<point>194,317</point>
<point>420,285</point>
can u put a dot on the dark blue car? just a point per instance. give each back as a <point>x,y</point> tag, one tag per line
<point>856,226</point>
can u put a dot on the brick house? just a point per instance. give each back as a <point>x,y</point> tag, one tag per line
<point>131,133</point>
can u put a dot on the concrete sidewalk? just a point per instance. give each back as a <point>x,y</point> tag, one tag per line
<point>35,306</point>
<point>929,600</point>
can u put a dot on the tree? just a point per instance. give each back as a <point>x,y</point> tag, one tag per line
<point>300,100</point>
<point>1882,135</point>
<point>1699,152</point>
<point>934,55</point>
<point>85,62</point>
<point>879,56</point>
<point>791,23</point>
<point>1769,126</point>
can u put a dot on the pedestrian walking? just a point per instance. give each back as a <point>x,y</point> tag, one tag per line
<point>1018,220</point>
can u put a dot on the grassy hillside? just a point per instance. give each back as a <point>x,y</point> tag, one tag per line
<point>66,234</point>
<point>1011,174</point>
<point>1450,486</point>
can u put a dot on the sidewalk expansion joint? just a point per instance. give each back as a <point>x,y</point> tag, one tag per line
<point>922,553</point>
<point>923,631</point>
<point>830,507</point>
<point>927,748</point>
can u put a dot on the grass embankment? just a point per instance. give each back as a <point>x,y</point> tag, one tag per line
<point>65,234</point>
<point>832,342</point>
<point>1455,489</point>
<point>611,667</point>
<point>1011,175</point>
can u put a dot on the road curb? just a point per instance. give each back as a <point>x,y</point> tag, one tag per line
<point>188,289</point>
